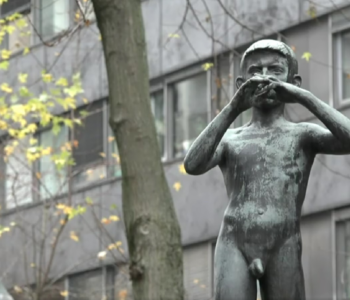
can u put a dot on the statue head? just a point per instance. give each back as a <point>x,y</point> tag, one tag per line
<point>269,58</point>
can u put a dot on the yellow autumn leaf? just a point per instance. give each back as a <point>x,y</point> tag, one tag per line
<point>105,221</point>
<point>22,77</point>
<point>111,247</point>
<point>47,77</point>
<point>114,218</point>
<point>122,294</point>
<point>182,169</point>
<point>4,65</point>
<point>64,293</point>
<point>6,88</point>
<point>110,138</point>
<point>103,154</point>
<point>5,54</point>
<point>306,56</point>
<point>177,186</point>
<point>38,175</point>
<point>62,82</point>
<point>33,141</point>
<point>85,101</point>
<point>174,35</point>
<point>26,50</point>
<point>207,66</point>
<point>63,221</point>
<point>60,206</point>
<point>117,158</point>
<point>74,236</point>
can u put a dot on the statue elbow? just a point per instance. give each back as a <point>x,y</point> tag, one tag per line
<point>190,167</point>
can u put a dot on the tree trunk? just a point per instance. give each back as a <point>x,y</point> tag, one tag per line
<point>152,228</point>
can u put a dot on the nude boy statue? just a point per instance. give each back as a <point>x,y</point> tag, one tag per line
<point>266,165</point>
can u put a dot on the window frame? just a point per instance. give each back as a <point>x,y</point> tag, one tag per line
<point>106,271</point>
<point>169,104</point>
<point>20,9</point>
<point>337,64</point>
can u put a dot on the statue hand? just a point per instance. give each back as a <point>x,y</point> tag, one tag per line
<point>286,92</point>
<point>246,94</point>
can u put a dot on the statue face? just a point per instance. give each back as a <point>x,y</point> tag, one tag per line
<point>270,64</point>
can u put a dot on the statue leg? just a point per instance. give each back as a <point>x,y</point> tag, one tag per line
<point>284,278</point>
<point>232,279</point>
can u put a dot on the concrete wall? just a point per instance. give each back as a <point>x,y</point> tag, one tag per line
<point>317,235</point>
<point>201,201</point>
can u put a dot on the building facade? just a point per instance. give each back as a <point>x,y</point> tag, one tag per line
<point>192,67</point>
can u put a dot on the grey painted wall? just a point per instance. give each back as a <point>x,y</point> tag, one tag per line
<point>201,201</point>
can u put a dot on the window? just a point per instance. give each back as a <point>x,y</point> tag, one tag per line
<point>87,8</point>
<point>222,83</point>
<point>342,65</point>
<point>92,285</point>
<point>21,35</point>
<point>114,162</point>
<point>12,6</point>
<point>54,17</point>
<point>89,150</point>
<point>190,111</point>
<point>18,178</point>
<point>52,181</point>
<point>157,106</point>
<point>343,260</point>
<point>345,50</point>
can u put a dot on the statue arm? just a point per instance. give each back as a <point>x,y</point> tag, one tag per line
<point>207,150</point>
<point>335,140</point>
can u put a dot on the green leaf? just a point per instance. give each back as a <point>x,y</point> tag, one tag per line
<point>62,82</point>
<point>24,92</point>
<point>89,201</point>
<point>4,65</point>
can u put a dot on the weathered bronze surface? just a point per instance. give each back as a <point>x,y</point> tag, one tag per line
<point>266,165</point>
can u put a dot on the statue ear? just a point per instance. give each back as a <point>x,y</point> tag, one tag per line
<point>297,80</point>
<point>239,81</point>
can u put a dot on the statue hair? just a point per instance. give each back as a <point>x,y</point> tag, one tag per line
<point>276,46</point>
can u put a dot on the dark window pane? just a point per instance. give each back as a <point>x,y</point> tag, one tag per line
<point>346,64</point>
<point>157,105</point>
<point>13,6</point>
<point>89,137</point>
<point>86,286</point>
<point>190,111</point>
<point>343,260</point>
<point>54,16</point>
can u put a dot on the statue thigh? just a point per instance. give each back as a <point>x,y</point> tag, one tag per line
<point>284,278</point>
<point>232,279</point>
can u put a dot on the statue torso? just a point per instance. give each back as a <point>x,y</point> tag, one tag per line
<point>266,171</point>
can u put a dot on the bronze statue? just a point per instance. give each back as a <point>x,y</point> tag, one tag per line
<point>266,165</point>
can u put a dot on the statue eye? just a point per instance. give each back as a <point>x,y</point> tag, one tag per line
<point>254,70</point>
<point>276,69</point>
